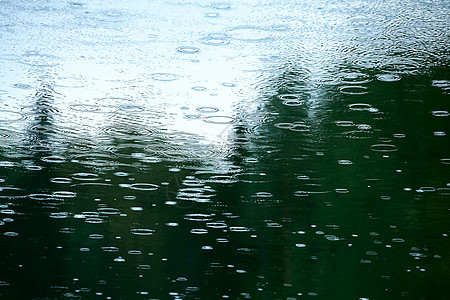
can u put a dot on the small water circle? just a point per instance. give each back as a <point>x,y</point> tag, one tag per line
<point>360,106</point>
<point>144,186</point>
<point>219,119</point>
<point>207,109</point>
<point>164,76</point>
<point>249,33</point>
<point>188,49</point>
<point>353,90</point>
<point>383,148</point>
<point>440,113</point>
<point>142,231</point>
<point>10,116</point>
<point>388,77</point>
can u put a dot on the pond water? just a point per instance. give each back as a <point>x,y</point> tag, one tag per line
<point>224,150</point>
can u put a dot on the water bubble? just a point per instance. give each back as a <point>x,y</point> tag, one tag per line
<point>119,259</point>
<point>345,162</point>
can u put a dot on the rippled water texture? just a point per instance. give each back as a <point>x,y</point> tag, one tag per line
<point>224,150</point>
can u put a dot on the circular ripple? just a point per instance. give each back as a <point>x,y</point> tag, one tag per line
<point>215,39</point>
<point>61,180</point>
<point>12,193</point>
<point>53,159</point>
<point>383,148</point>
<point>164,76</point>
<point>293,102</point>
<point>358,134</point>
<point>143,186</point>
<point>344,123</point>
<point>219,119</point>
<point>388,77</point>
<point>440,113</point>
<point>353,90</point>
<point>249,33</point>
<point>92,108</point>
<point>360,106</point>
<point>85,176</point>
<point>287,97</point>
<point>198,217</point>
<point>207,109</point>
<point>10,116</point>
<point>188,50</point>
<point>142,231</point>
<point>299,127</point>
<point>93,159</point>
<point>354,78</point>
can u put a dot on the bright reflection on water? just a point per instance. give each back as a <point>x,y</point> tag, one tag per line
<point>209,150</point>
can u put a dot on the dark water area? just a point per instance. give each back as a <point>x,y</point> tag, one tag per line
<point>224,150</point>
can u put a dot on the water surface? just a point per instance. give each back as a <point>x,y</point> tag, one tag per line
<point>222,150</point>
